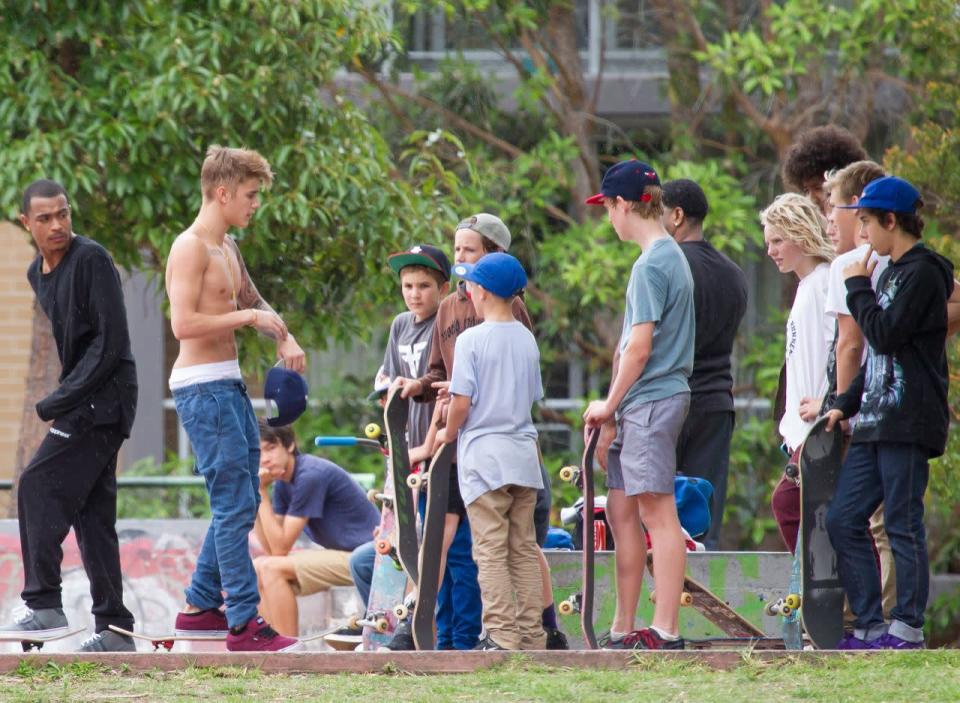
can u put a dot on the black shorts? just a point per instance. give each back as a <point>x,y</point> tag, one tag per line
<point>455,504</point>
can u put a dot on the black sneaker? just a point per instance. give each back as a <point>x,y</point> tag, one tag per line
<point>647,638</point>
<point>402,640</point>
<point>43,622</point>
<point>556,639</point>
<point>489,645</point>
<point>607,642</point>
<point>108,641</point>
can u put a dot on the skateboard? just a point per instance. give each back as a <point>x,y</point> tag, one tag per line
<point>438,490</point>
<point>166,640</point>
<point>389,582</point>
<point>30,643</point>
<point>714,609</point>
<point>404,537</point>
<point>789,606</point>
<point>821,595</point>
<point>582,602</point>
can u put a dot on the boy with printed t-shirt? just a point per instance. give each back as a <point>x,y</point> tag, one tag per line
<point>901,397</point>
<point>496,380</point>
<point>645,408</point>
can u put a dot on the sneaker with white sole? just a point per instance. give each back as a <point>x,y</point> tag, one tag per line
<point>43,622</point>
<point>108,641</point>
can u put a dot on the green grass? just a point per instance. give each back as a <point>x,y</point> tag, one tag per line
<point>911,676</point>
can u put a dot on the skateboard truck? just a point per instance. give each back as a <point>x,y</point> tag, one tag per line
<point>375,496</point>
<point>415,481</point>
<point>573,604</point>
<point>686,598</point>
<point>376,621</point>
<point>784,606</point>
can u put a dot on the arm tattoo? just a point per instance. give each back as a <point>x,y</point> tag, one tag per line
<point>248,297</point>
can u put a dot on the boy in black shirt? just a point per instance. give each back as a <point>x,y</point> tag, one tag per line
<point>719,302</point>
<point>71,480</point>
<point>901,396</point>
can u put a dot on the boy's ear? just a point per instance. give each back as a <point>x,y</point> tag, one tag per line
<point>444,288</point>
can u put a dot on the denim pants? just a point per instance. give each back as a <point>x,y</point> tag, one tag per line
<point>222,427</point>
<point>361,568</point>
<point>459,607</point>
<point>895,474</point>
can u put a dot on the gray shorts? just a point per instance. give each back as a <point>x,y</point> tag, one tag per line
<point>643,457</point>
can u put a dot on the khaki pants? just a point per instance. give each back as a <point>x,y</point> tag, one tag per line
<point>506,552</point>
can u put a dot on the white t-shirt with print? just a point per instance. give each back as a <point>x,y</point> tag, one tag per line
<point>837,289</point>
<point>809,337</point>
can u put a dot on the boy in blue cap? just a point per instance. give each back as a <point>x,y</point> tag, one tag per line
<point>901,396</point>
<point>645,408</point>
<point>496,380</point>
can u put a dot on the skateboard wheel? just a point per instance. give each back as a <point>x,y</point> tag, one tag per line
<point>383,546</point>
<point>382,625</point>
<point>353,622</point>
<point>792,471</point>
<point>785,610</point>
<point>401,611</point>
<point>653,596</point>
<point>792,601</point>
<point>372,431</point>
<point>415,480</point>
<point>772,608</point>
<point>568,473</point>
<point>566,607</point>
<point>372,495</point>
<point>686,599</point>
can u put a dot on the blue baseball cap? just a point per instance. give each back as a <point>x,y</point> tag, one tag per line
<point>888,193</point>
<point>499,273</point>
<point>288,392</point>
<point>626,179</point>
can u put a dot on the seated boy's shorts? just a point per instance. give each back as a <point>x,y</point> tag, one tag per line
<point>643,457</point>
<point>319,569</point>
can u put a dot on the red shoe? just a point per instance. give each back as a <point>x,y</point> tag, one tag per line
<point>647,638</point>
<point>206,623</point>
<point>258,636</point>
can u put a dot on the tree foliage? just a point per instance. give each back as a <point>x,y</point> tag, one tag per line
<point>119,102</point>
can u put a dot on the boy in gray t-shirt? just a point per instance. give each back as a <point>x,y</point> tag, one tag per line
<point>642,416</point>
<point>496,380</point>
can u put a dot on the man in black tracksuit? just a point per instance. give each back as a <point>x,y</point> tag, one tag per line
<point>71,480</point>
<point>901,396</point>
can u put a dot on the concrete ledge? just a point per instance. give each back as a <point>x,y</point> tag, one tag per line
<point>412,662</point>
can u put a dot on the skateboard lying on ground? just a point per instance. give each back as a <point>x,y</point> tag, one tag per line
<point>438,491</point>
<point>166,640</point>
<point>582,602</point>
<point>37,641</point>
<point>404,536</point>
<point>716,610</point>
<point>821,595</point>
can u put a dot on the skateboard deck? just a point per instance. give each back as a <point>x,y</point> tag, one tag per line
<point>582,602</point>
<point>717,611</point>
<point>404,536</point>
<point>389,582</point>
<point>37,642</point>
<point>735,643</point>
<point>438,490</point>
<point>166,640</point>
<point>821,595</point>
